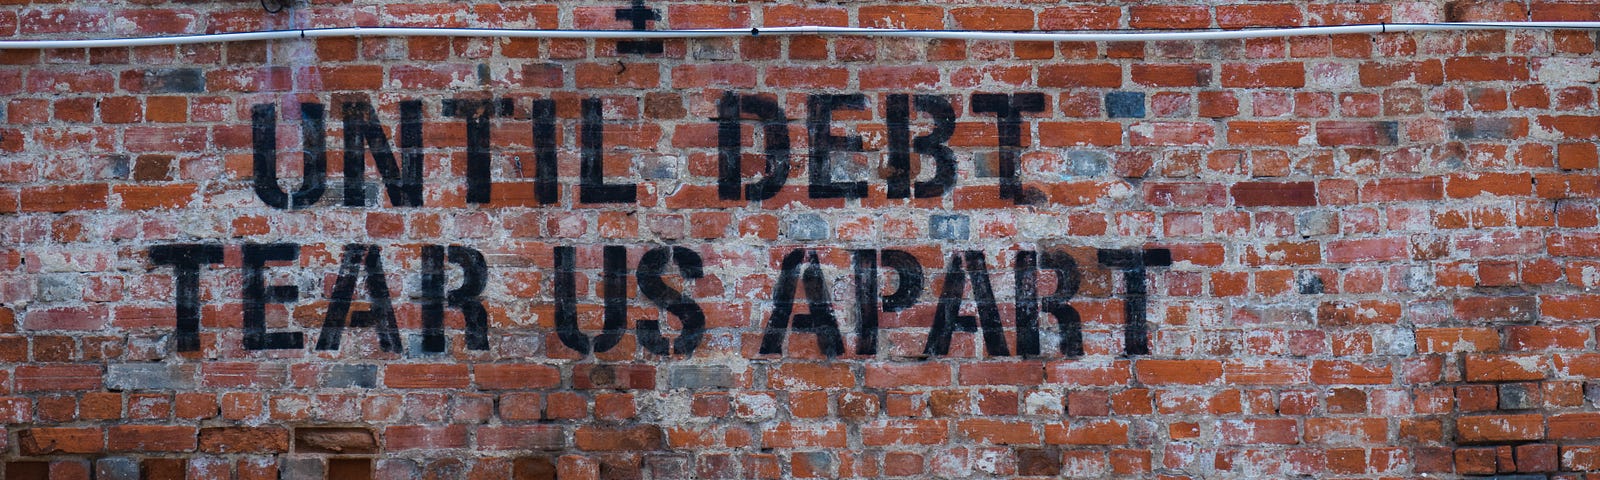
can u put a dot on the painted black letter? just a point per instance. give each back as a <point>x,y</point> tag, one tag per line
<point>567,301</point>
<point>186,260</point>
<point>1028,304</point>
<point>774,126</point>
<point>1132,264</point>
<point>362,133</point>
<point>819,320</point>
<point>908,287</point>
<point>949,318</point>
<point>476,112</point>
<point>314,154</point>
<point>615,280</point>
<point>675,302</point>
<point>823,143</point>
<point>901,146</point>
<point>380,315</point>
<point>473,273</point>
<point>257,295</point>
<point>1007,110</point>
<point>544,151</point>
<point>592,187</point>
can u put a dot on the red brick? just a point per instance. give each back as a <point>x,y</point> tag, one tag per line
<point>1178,372</point>
<point>1274,194</point>
<point>1502,368</point>
<point>904,432</point>
<point>1099,75</point>
<point>992,18</point>
<point>1574,426</point>
<point>151,438</point>
<point>811,376</point>
<point>1002,373</point>
<point>1168,17</point>
<point>1254,75</point>
<point>1285,133</point>
<point>907,374</point>
<point>426,376</point>
<point>530,437</point>
<point>57,377</point>
<point>1481,69</point>
<point>1499,428</point>
<point>503,376</point>
<point>797,435</point>
<point>604,438</point>
<point>1283,431</point>
<point>244,440</point>
<point>1446,340</point>
<point>61,440</point>
<point>1093,432</point>
<point>397,438</point>
<point>65,198</point>
<point>998,432</point>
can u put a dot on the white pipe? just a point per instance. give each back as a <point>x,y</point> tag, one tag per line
<point>1099,36</point>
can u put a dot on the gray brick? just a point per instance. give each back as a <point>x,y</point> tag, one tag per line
<point>304,467</point>
<point>1089,163</point>
<point>806,227</point>
<point>1308,283</point>
<point>1519,396</point>
<point>349,376</point>
<point>60,288</point>
<point>116,468</point>
<point>175,80</point>
<point>149,376</point>
<point>1481,128</point>
<point>949,227</point>
<point>701,376</point>
<point>1125,104</point>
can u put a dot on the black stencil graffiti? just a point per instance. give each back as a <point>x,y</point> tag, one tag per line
<point>364,133</point>
<point>545,186</point>
<point>186,260</point>
<point>476,113</point>
<point>1132,263</point>
<point>364,136</point>
<point>908,287</point>
<point>799,269</point>
<point>934,144</point>
<point>1029,304</point>
<point>949,319</point>
<point>593,187</point>
<point>1008,110</point>
<point>566,292</point>
<point>638,15</point>
<point>264,139</point>
<point>818,320</point>
<point>380,315</point>
<point>615,288</point>
<point>677,303</point>
<point>474,274</point>
<point>824,143</point>
<point>257,295</point>
<point>775,129</point>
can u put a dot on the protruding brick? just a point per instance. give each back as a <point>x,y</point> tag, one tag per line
<point>346,440</point>
<point>244,440</point>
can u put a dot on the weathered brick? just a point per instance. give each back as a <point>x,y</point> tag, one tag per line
<point>152,376</point>
<point>1499,428</point>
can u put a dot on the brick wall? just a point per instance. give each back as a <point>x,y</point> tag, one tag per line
<point>1362,256</point>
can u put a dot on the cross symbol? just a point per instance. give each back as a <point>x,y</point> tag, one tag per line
<point>638,14</point>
